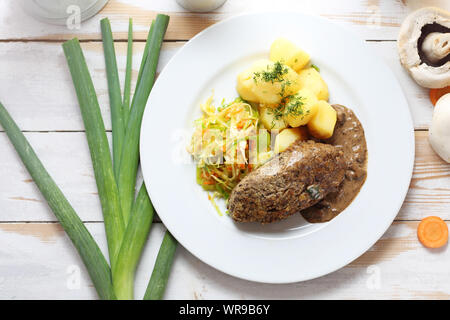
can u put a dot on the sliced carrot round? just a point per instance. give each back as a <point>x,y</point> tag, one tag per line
<point>432,232</point>
<point>435,94</point>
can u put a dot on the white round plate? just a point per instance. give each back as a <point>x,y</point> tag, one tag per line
<point>292,250</point>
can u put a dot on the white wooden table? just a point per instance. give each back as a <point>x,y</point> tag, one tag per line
<point>37,259</point>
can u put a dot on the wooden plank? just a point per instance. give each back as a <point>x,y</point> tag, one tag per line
<point>39,262</point>
<point>40,96</point>
<point>66,157</point>
<point>371,19</point>
<point>429,192</point>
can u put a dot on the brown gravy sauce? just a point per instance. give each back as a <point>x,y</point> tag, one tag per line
<point>348,135</point>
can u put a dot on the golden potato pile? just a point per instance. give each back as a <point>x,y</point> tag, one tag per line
<point>288,92</point>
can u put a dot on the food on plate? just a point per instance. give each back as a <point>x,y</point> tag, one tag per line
<point>289,136</point>
<point>322,124</point>
<point>436,94</point>
<point>349,137</point>
<point>280,148</point>
<point>300,108</point>
<point>294,110</point>
<point>267,82</point>
<point>432,232</point>
<point>272,118</point>
<point>288,53</point>
<point>227,144</point>
<point>424,46</point>
<point>311,79</point>
<point>291,181</point>
<point>439,133</point>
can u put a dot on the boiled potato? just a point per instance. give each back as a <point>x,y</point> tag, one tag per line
<point>301,108</point>
<point>310,78</point>
<point>270,120</point>
<point>285,51</point>
<point>288,136</point>
<point>245,86</point>
<point>267,82</point>
<point>322,124</point>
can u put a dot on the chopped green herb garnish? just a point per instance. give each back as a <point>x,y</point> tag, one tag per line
<point>290,105</point>
<point>273,73</point>
<point>283,87</point>
<point>315,67</point>
<point>295,105</point>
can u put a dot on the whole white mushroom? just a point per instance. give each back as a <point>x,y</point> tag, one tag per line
<point>439,134</point>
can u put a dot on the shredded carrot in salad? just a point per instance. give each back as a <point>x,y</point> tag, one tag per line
<point>228,142</point>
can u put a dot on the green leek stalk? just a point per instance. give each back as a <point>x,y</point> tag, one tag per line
<point>145,53</point>
<point>139,222</point>
<point>99,147</point>
<point>161,271</point>
<point>130,154</point>
<point>133,242</point>
<point>115,97</point>
<point>128,73</point>
<point>83,241</point>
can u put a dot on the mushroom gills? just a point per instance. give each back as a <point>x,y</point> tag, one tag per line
<point>434,43</point>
